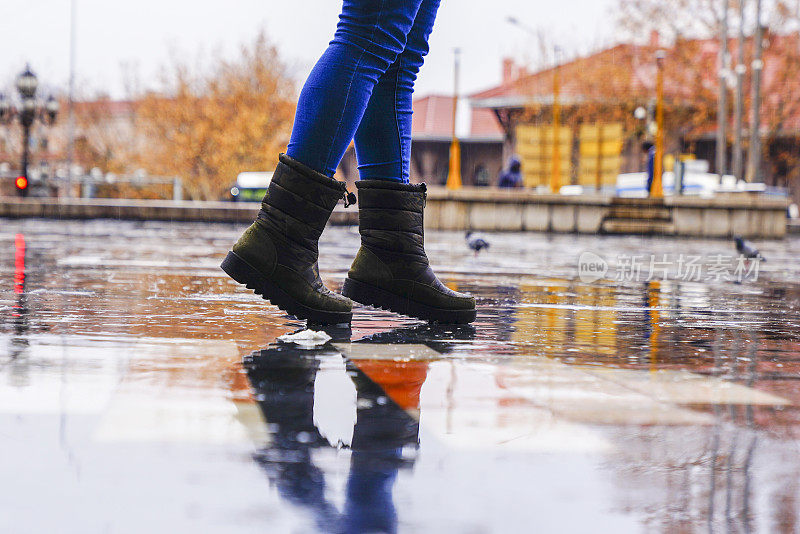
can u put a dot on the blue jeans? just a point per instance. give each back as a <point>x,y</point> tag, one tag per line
<point>362,87</point>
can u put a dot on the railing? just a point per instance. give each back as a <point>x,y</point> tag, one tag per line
<point>88,183</point>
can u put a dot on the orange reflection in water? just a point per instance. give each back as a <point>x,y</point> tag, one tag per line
<point>401,381</point>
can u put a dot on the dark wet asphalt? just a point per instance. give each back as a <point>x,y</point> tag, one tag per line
<point>142,391</point>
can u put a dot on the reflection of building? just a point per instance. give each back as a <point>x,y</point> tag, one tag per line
<point>561,315</point>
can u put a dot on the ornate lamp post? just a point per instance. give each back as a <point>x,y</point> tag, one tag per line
<point>27,85</point>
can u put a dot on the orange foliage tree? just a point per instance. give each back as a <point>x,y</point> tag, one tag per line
<point>208,127</point>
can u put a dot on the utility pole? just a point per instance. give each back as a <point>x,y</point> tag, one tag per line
<point>555,179</point>
<point>754,157</point>
<point>739,111</point>
<point>71,99</point>
<point>657,190</point>
<point>722,110</point>
<point>454,173</point>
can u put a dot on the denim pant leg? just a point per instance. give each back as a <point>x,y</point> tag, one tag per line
<point>369,37</point>
<point>383,139</point>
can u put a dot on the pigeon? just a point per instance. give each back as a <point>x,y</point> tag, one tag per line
<point>747,249</point>
<point>475,242</point>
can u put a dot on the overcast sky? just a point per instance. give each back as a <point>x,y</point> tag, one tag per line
<point>143,35</point>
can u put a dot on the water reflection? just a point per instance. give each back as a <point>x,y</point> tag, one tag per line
<point>686,393</point>
<point>282,378</point>
<point>19,311</point>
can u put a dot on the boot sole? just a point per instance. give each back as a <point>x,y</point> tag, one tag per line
<point>250,277</point>
<point>376,297</point>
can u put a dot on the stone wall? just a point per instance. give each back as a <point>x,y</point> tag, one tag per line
<point>485,209</point>
<point>520,210</point>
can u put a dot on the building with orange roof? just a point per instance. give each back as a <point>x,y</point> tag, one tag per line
<point>608,85</point>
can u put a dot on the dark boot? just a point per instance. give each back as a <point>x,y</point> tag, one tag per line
<point>277,255</point>
<point>391,270</point>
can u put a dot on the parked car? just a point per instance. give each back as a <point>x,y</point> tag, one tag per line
<point>693,178</point>
<point>251,186</point>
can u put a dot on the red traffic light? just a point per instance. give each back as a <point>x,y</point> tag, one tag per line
<point>21,183</point>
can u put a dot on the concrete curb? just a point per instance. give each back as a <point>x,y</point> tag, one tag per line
<point>158,210</point>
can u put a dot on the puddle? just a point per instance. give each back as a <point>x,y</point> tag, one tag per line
<point>133,370</point>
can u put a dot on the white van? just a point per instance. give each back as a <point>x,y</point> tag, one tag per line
<point>251,186</point>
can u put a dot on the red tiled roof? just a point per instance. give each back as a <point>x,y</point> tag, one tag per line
<point>632,64</point>
<point>484,124</point>
<point>433,117</point>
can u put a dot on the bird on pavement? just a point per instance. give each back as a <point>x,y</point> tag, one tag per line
<point>747,249</point>
<point>476,242</point>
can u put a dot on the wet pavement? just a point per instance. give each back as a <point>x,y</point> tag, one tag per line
<point>143,391</point>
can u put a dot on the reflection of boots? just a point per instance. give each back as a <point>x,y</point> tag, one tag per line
<point>441,338</point>
<point>391,270</point>
<point>277,255</point>
<point>283,385</point>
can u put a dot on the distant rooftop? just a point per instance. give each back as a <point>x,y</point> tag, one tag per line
<point>433,119</point>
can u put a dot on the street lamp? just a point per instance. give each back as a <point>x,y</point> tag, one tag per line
<point>27,85</point>
<point>50,110</point>
<point>518,23</point>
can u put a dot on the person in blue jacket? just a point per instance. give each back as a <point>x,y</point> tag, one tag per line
<point>512,176</point>
<point>650,149</point>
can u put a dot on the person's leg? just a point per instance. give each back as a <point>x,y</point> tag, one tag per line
<point>383,139</point>
<point>369,37</point>
<point>392,270</point>
<point>277,255</point>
